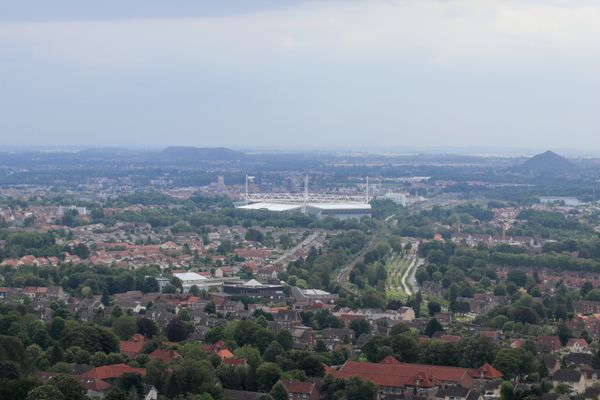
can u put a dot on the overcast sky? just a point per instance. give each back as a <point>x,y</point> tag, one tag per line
<point>288,73</point>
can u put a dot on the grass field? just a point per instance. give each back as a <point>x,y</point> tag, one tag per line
<point>396,267</point>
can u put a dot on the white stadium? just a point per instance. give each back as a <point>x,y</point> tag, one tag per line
<point>319,205</point>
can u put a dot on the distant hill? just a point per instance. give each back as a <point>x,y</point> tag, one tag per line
<point>201,153</point>
<point>548,162</point>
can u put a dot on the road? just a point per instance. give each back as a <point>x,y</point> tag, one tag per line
<point>408,280</point>
<point>302,244</point>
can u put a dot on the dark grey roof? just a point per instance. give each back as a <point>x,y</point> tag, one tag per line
<point>492,385</point>
<point>566,375</point>
<point>453,391</point>
<point>578,359</point>
<point>592,393</point>
<point>229,394</point>
<point>549,360</point>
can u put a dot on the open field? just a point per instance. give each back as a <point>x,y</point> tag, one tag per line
<point>397,266</point>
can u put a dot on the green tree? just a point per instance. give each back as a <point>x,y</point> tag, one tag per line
<point>517,277</point>
<point>432,327</point>
<point>254,235</point>
<point>312,365</point>
<point>434,307</point>
<point>125,326</point>
<point>132,383</point>
<point>514,363</point>
<point>406,348</point>
<point>267,375</point>
<point>251,354</point>
<point>564,333</point>
<point>147,327</point>
<point>176,330</point>
<point>193,377</point>
<point>56,328</point>
<point>476,351</point>
<point>353,388</point>
<point>279,391</point>
<point>506,391</point>
<point>273,351</point>
<point>360,326</point>
<point>285,339</point>
<point>71,388</point>
<point>45,392</point>
<point>586,288</point>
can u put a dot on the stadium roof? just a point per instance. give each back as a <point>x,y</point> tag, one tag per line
<point>271,207</point>
<point>340,206</point>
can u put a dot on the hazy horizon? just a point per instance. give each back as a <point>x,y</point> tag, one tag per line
<point>383,74</point>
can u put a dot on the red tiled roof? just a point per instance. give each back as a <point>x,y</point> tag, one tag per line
<point>132,346</point>
<point>486,371</point>
<point>112,371</point>
<point>389,360</point>
<point>224,353</point>
<point>450,338</point>
<point>299,387</point>
<point>550,341</point>
<point>397,374</point>
<point>97,385</point>
<point>165,355</point>
<point>236,362</point>
<point>572,341</point>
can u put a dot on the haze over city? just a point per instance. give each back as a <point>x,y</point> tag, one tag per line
<point>301,74</point>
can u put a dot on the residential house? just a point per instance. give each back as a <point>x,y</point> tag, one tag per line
<point>229,394</point>
<point>456,393</point>
<point>551,362</point>
<point>110,373</point>
<point>150,393</point>
<point>301,390</point>
<point>548,344</point>
<point>165,355</point>
<point>333,337</point>
<point>587,307</point>
<point>578,346</point>
<point>133,346</point>
<point>569,377</point>
<point>578,360</point>
<point>303,337</point>
<point>223,272</point>
<point>235,362</point>
<point>396,378</point>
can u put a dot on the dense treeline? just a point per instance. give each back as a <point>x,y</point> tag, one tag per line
<point>469,352</point>
<point>79,280</point>
<point>38,244</point>
<point>318,270</point>
<point>450,266</point>
<point>28,345</point>
<point>421,224</point>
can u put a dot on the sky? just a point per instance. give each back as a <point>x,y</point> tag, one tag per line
<point>362,74</point>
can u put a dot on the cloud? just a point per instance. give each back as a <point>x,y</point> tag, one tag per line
<point>452,32</point>
<point>411,72</point>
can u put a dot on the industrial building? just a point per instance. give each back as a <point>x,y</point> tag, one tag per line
<point>189,279</point>
<point>253,288</point>
<point>312,295</point>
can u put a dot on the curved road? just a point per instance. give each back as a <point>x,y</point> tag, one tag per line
<point>408,280</point>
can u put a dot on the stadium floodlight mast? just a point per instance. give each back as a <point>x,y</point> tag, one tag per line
<point>247,179</point>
